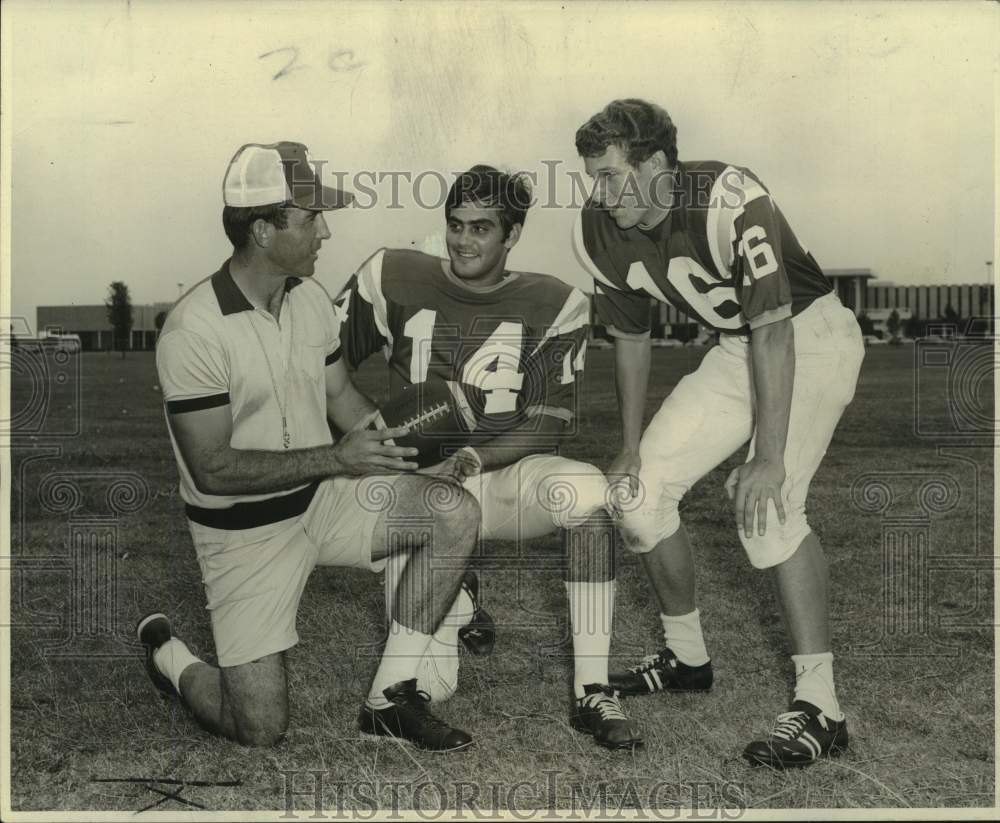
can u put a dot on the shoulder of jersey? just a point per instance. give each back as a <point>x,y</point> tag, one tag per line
<point>704,174</point>
<point>408,267</point>
<point>545,288</point>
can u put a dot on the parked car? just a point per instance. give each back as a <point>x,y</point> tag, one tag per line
<point>69,343</point>
<point>665,343</point>
<point>601,343</point>
<point>874,340</point>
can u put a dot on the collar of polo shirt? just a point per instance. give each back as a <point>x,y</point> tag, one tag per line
<point>231,299</point>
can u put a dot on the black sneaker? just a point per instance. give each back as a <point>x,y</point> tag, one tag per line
<point>799,737</point>
<point>479,634</point>
<point>599,713</point>
<point>662,672</point>
<point>408,718</point>
<point>153,631</point>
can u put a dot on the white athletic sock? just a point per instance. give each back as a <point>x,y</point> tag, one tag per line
<point>814,682</point>
<point>172,658</point>
<point>437,672</point>
<point>591,614</point>
<point>683,636</point>
<point>460,614</point>
<point>400,659</point>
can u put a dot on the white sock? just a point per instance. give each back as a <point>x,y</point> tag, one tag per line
<point>400,659</point>
<point>460,614</point>
<point>591,614</point>
<point>172,658</point>
<point>683,636</point>
<point>437,672</point>
<point>814,682</point>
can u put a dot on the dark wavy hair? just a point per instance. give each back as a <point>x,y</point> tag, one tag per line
<point>487,186</point>
<point>637,127</point>
<point>237,220</point>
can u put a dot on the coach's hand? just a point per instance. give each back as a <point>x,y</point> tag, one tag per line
<point>365,452</point>
<point>463,464</point>
<point>750,486</point>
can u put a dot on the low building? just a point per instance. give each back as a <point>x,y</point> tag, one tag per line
<point>91,324</point>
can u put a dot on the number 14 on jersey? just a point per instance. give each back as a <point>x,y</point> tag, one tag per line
<point>494,367</point>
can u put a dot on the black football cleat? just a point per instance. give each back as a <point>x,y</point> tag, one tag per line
<point>799,737</point>
<point>153,631</point>
<point>479,634</point>
<point>408,718</point>
<point>662,672</point>
<point>599,713</point>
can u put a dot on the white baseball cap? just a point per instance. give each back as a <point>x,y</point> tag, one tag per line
<point>268,174</point>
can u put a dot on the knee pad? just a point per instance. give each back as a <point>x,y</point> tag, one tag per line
<point>646,524</point>
<point>652,515</point>
<point>779,543</point>
<point>574,493</point>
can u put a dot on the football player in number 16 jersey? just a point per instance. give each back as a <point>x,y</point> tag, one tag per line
<point>512,345</point>
<point>708,238</point>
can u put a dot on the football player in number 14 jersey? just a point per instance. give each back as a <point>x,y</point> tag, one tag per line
<point>708,238</point>
<point>513,345</point>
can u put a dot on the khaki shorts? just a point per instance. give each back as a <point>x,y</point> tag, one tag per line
<point>254,578</point>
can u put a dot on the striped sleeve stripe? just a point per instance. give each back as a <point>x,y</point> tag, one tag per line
<point>198,403</point>
<point>574,314</point>
<point>723,213</point>
<point>370,290</point>
<point>583,257</point>
<point>614,331</point>
<point>333,357</point>
<point>771,316</point>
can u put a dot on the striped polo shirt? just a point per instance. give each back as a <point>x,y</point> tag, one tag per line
<point>216,349</point>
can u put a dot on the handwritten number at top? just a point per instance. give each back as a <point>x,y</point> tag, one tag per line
<point>339,61</point>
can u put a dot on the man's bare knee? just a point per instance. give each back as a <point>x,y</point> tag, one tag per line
<point>256,696</point>
<point>464,517</point>
<point>264,734</point>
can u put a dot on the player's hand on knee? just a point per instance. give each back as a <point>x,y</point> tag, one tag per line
<point>458,468</point>
<point>750,487</point>
<point>624,469</point>
<point>372,452</point>
<point>623,480</point>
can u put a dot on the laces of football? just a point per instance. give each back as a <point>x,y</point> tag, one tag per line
<point>608,707</point>
<point>790,724</point>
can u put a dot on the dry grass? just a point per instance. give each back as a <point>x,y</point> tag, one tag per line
<point>920,704</point>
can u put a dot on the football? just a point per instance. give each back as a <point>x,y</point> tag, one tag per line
<point>436,416</point>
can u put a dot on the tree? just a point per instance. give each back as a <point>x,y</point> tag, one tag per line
<point>914,327</point>
<point>159,320</point>
<point>867,327</point>
<point>119,306</point>
<point>893,323</point>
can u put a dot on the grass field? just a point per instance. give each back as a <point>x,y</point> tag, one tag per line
<point>912,606</point>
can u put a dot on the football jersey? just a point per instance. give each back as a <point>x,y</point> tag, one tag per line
<point>510,353</point>
<point>724,255</point>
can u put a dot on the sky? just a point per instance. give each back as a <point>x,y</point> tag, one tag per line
<point>872,124</point>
